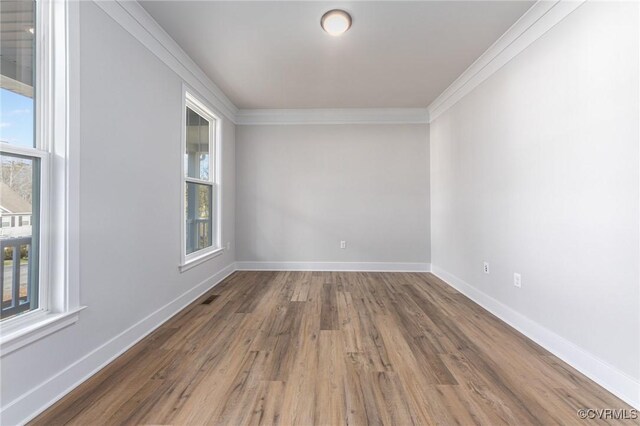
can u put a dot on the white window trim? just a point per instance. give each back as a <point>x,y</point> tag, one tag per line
<point>188,261</point>
<point>57,135</point>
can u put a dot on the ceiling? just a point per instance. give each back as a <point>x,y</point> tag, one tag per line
<point>273,54</point>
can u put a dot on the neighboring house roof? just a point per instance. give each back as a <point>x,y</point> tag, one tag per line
<point>11,201</point>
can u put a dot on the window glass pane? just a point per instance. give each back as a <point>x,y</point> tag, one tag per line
<point>197,156</point>
<point>19,196</point>
<point>198,214</point>
<point>17,53</point>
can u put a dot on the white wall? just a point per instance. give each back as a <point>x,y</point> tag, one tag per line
<point>301,189</point>
<point>536,172</point>
<point>131,111</point>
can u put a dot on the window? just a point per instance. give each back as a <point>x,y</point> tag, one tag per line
<point>39,185</point>
<point>201,204</point>
<point>22,159</point>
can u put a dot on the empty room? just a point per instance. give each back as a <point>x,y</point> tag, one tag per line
<point>309,213</point>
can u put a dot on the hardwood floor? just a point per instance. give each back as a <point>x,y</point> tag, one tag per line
<point>332,348</point>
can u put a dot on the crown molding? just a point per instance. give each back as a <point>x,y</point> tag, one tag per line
<point>539,19</point>
<point>536,21</point>
<point>134,19</point>
<point>333,116</point>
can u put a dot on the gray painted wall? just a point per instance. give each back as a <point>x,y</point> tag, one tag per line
<point>301,189</point>
<point>131,111</point>
<point>536,172</point>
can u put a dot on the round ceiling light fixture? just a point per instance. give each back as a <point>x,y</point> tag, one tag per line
<point>336,22</point>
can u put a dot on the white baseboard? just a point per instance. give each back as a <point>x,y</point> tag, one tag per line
<point>615,381</point>
<point>32,403</point>
<point>29,405</point>
<point>334,266</point>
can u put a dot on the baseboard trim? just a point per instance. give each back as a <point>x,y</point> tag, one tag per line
<point>29,405</point>
<point>334,266</point>
<point>615,381</point>
<point>46,394</point>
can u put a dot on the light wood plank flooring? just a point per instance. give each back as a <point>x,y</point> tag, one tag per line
<point>333,348</point>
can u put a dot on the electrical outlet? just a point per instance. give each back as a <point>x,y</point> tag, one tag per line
<point>228,245</point>
<point>485,267</point>
<point>343,244</point>
<point>517,280</point>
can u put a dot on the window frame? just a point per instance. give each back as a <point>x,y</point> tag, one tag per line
<point>193,102</point>
<point>57,146</point>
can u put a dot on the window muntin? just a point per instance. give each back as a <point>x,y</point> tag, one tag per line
<point>201,192</point>
<point>21,161</point>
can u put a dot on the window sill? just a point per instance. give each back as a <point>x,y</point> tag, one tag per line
<point>16,335</point>
<point>200,259</point>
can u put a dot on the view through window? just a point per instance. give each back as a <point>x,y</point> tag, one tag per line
<point>20,159</point>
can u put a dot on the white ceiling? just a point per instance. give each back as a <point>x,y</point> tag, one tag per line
<point>273,54</point>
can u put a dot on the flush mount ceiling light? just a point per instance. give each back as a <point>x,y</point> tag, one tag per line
<point>336,22</point>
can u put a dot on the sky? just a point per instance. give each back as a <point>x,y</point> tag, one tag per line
<point>16,119</point>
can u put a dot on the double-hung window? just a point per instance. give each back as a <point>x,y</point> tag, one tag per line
<point>39,185</point>
<point>201,209</point>
<point>23,161</point>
